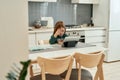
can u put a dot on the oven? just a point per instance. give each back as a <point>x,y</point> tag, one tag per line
<point>76,33</point>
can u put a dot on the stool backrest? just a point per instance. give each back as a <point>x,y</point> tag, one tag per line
<point>55,66</point>
<point>89,61</point>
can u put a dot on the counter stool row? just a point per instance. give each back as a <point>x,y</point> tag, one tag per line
<point>60,68</point>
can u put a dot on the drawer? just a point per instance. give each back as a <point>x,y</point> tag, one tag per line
<point>102,44</point>
<point>94,39</point>
<point>94,32</point>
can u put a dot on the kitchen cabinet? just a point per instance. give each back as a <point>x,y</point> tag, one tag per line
<point>95,37</point>
<point>91,36</point>
<point>42,0</point>
<point>43,36</point>
<point>35,36</point>
<point>85,1</point>
<point>32,39</point>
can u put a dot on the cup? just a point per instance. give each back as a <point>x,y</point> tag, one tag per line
<point>41,42</point>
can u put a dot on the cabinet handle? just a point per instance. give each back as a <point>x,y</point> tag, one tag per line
<point>74,32</point>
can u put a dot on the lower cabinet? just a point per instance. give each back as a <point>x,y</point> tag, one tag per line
<point>43,36</point>
<point>35,37</point>
<point>31,39</point>
<point>95,37</point>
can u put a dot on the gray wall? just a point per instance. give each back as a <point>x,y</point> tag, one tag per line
<point>61,10</point>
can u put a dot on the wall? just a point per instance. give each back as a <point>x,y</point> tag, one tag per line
<point>61,10</point>
<point>13,34</point>
<point>101,13</point>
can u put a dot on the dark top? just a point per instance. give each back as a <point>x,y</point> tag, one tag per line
<point>53,40</point>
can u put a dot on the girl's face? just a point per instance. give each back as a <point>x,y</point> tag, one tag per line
<point>62,31</point>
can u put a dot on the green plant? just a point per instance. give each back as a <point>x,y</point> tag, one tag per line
<point>17,73</point>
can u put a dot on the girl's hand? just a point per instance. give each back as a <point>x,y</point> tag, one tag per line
<point>57,33</point>
<point>60,41</point>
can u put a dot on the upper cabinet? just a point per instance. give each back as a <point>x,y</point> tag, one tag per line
<point>43,0</point>
<point>85,1</point>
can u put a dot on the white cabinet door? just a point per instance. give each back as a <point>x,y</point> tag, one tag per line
<point>86,1</point>
<point>99,44</point>
<point>94,33</point>
<point>43,36</point>
<point>31,39</point>
<point>95,37</point>
<point>43,0</point>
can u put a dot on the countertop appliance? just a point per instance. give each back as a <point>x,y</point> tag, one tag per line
<point>50,21</point>
<point>113,53</point>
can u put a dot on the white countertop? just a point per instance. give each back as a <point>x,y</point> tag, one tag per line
<point>66,51</point>
<point>51,29</point>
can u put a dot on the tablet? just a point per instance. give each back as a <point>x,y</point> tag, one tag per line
<point>70,41</point>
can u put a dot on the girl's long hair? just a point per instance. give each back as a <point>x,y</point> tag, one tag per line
<point>58,25</point>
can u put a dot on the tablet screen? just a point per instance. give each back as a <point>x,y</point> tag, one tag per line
<point>70,41</point>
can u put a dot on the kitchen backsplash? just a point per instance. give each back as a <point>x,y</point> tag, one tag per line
<point>61,10</point>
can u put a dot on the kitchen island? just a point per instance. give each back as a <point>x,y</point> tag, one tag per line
<point>56,50</point>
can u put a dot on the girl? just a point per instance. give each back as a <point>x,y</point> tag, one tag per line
<point>58,34</point>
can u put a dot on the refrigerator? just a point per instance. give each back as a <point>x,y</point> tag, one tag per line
<point>113,53</point>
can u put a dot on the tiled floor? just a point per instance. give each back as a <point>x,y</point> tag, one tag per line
<point>111,71</point>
